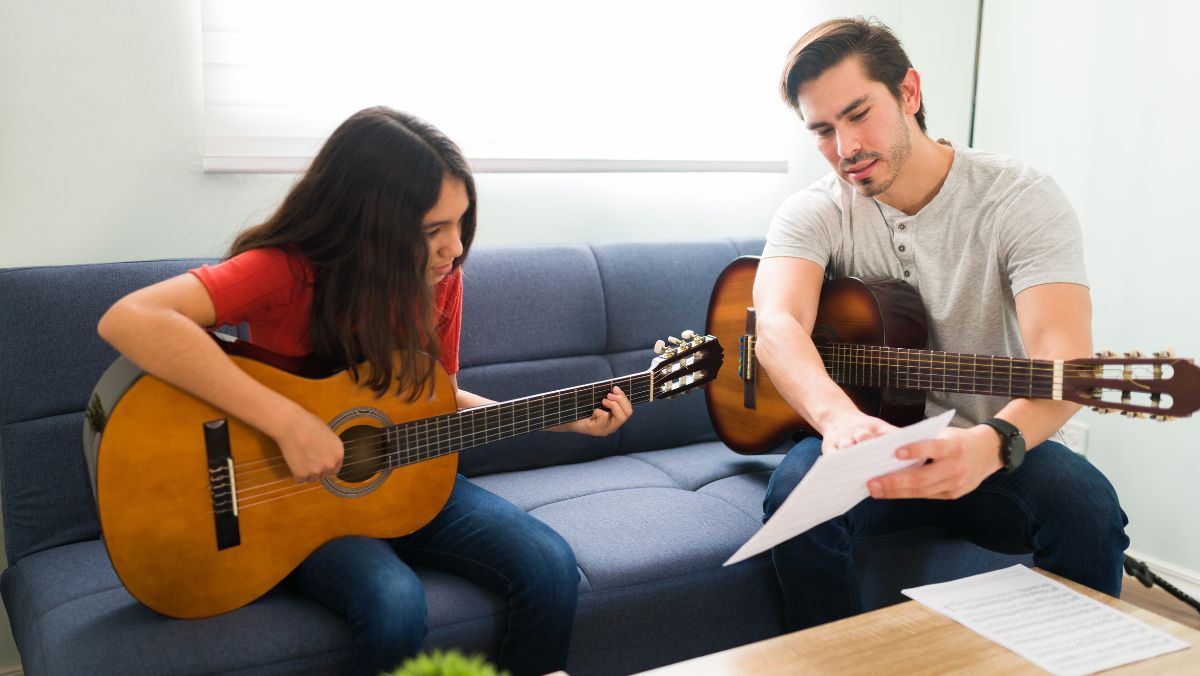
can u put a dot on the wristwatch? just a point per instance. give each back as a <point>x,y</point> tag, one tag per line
<point>1012,444</point>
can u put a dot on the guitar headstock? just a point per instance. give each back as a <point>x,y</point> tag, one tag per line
<point>684,363</point>
<point>1158,387</point>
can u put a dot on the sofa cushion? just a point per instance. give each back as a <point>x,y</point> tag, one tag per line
<point>57,599</point>
<point>52,355</point>
<point>529,303</point>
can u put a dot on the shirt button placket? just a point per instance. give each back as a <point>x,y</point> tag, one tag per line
<point>902,249</point>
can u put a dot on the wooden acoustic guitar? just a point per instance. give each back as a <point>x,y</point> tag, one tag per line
<point>871,335</point>
<point>201,516</point>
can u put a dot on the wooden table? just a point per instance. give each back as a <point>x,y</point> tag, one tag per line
<point>911,639</point>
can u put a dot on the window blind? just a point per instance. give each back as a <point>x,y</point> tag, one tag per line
<point>521,86</point>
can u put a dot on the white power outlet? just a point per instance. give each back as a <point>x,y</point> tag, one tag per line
<point>1075,436</point>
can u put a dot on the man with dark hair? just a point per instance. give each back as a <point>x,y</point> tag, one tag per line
<point>994,250</point>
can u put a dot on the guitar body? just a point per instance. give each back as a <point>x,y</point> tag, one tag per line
<point>871,335</point>
<point>147,449</point>
<point>748,413</point>
<point>199,511</point>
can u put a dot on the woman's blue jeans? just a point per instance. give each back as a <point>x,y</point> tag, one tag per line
<point>477,536</point>
<point>1056,505</point>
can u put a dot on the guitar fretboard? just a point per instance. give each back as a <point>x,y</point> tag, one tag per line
<point>432,437</point>
<point>928,370</point>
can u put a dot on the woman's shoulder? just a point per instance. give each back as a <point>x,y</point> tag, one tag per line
<point>269,263</point>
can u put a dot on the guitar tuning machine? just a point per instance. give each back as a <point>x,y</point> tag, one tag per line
<point>1168,353</point>
<point>1101,410</point>
<point>688,339</point>
<point>1135,354</point>
<point>1106,354</point>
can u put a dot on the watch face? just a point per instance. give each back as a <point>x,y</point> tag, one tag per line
<point>1015,451</point>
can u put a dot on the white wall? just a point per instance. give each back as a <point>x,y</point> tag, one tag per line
<point>100,127</point>
<point>1103,95</point>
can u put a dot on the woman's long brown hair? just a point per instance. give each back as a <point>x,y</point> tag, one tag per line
<point>356,216</point>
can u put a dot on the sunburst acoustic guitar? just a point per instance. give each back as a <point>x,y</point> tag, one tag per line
<point>201,516</point>
<point>871,335</point>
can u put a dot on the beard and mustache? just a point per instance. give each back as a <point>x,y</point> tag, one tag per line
<point>897,155</point>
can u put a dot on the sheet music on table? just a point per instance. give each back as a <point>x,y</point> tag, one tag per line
<point>1046,622</point>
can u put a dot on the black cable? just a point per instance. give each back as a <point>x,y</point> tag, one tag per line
<point>1147,577</point>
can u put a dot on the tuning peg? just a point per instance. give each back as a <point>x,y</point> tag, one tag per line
<point>1101,410</point>
<point>1166,354</point>
<point>1160,418</point>
<point>672,340</point>
<point>688,334</point>
<point>659,346</point>
<point>1135,354</point>
<point>1106,354</point>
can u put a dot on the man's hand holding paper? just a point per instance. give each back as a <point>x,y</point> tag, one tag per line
<point>961,459</point>
<point>838,481</point>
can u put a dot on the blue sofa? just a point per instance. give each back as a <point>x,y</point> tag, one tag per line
<point>651,512</point>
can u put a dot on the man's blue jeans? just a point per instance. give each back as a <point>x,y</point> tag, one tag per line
<point>1056,505</point>
<point>477,536</point>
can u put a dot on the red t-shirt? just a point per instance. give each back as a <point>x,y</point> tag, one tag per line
<point>271,291</point>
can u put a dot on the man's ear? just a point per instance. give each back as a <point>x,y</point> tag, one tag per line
<point>910,92</point>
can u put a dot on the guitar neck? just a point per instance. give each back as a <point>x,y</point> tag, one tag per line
<point>928,370</point>
<point>432,437</point>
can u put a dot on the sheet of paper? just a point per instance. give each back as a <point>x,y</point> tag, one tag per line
<point>1046,622</point>
<point>837,482</point>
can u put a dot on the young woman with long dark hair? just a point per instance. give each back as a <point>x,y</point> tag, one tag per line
<point>360,266</point>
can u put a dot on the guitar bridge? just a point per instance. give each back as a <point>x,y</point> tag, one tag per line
<point>746,360</point>
<point>221,484</point>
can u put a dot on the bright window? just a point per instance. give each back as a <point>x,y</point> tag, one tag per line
<point>520,85</point>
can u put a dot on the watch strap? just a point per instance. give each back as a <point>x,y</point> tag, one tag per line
<point>1012,443</point>
<point>1006,429</point>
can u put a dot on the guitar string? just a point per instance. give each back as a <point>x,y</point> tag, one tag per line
<point>453,429</point>
<point>857,355</point>
<point>468,440</point>
<point>291,488</point>
<point>470,416</point>
<point>296,490</point>
<point>982,387</point>
<point>1014,384</point>
<point>995,370</point>
<point>499,408</point>
<point>923,357</point>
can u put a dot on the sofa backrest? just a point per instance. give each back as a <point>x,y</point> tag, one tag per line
<point>50,358</point>
<point>535,319</point>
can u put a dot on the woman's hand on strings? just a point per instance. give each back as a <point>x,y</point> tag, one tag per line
<point>604,421</point>
<point>312,451</point>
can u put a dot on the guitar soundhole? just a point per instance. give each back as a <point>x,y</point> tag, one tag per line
<point>365,453</point>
